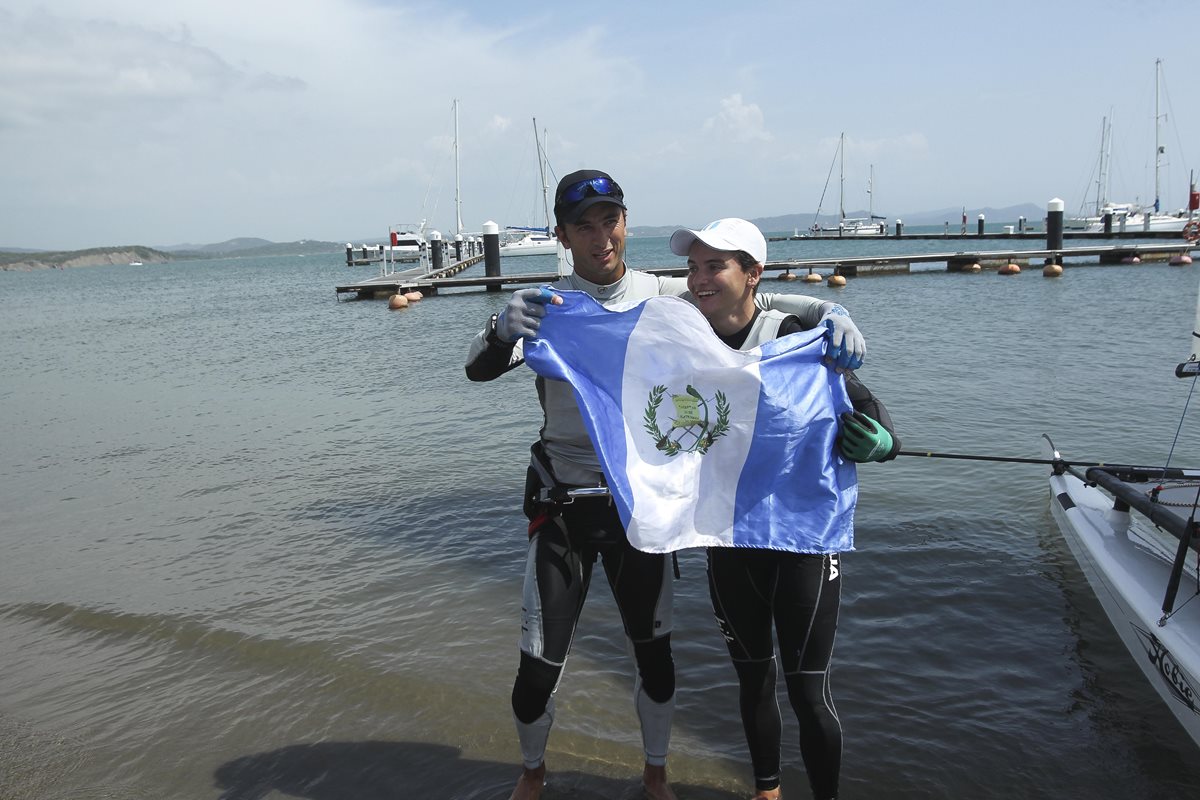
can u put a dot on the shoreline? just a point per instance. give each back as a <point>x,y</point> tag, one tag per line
<point>28,262</point>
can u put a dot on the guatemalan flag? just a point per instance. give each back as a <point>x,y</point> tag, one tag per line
<point>703,445</point>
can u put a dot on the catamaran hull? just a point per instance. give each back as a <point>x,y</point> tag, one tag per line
<point>1127,561</point>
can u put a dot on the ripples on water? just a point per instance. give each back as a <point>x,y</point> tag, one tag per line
<point>261,543</point>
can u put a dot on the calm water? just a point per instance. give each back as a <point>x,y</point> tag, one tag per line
<point>261,544</point>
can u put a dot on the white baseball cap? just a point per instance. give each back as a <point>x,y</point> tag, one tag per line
<point>729,234</point>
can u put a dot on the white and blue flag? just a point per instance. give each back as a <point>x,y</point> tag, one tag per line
<point>703,445</point>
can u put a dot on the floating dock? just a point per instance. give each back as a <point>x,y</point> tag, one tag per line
<point>431,282</point>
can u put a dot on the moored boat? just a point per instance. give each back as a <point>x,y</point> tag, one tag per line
<point>535,242</point>
<point>870,225</point>
<point>1133,531</point>
<point>532,241</point>
<point>1130,217</point>
<point>1123,527</point>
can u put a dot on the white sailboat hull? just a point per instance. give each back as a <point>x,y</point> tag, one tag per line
<point>535,245</point>
<point>1152,223</point>
<point>1127,561</point>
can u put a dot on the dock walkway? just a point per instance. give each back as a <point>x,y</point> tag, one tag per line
<point>430,283</point>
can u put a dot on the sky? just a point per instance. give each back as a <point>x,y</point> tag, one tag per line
<point>161,122</point>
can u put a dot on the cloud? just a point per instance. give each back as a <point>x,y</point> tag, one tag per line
<point>57,70</point>
<point>739,122</point>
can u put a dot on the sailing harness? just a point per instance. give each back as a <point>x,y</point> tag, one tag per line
<point>545,495</point>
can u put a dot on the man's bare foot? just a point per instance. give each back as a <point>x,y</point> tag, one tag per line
<point>529,785</point>
<point>768,794</point>
<point>654,783</point>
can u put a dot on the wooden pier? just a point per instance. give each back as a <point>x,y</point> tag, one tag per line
<point>430,282</point>
<point>1023,234</point>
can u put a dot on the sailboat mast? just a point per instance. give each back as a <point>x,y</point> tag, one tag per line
<point>871,195</point>
<point>842,176</point>
<point>457,191</point>
<point>1158,149</point>
<point>1105,151</point>
<point>542,173</point>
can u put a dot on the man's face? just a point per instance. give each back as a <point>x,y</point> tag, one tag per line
<point>597,243</point>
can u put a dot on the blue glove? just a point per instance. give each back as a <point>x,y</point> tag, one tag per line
<point>846,344</point>
<point>522,316</point>
<point>862,439</point>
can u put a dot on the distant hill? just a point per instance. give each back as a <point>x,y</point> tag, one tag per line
<point>787,223</point>
<point>230,246</point>
<point>15,259</point>
<point>247,246</point>
<point>1008,215</point>
<point>93,257</point>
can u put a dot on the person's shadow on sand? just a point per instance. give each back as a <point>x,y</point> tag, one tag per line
<point>377,770</point>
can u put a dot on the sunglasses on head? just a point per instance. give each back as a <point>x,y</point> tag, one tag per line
<point>602,186</point>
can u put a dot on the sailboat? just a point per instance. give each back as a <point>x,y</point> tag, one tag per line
<point>533,241</point>
<point>1129,216</point>
<point>870,225</point>
<point>1134,532</point>
<point>409,241</point>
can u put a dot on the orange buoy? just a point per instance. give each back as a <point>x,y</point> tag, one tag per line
<point>397,301</point>
<point>812,277</point>
<point>1009,269</point>
<point>836,280</point>
<point>413,297</point>
<point>976,267</point>
<point>1131,260</point>
<point>1052,271</point>
<point>1180,260</point>
<point>787,276</point>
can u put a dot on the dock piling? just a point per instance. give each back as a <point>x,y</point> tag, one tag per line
<point>491,253</point>
<point>1054,226</point>
<point>437,252</point>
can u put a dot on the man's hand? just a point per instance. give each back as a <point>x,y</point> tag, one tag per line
<point>862,439</point>
<point>522,316</point>
<point>846,344</point>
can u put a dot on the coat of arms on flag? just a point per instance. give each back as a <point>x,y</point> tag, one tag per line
<point>697,424</point>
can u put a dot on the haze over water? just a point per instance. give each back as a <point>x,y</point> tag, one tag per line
<point>262,544</point>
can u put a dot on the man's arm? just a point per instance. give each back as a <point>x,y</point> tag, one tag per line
<point>497,349</point>
<point>809,310</point>
<point>490,357</point>
<point>847,347</point>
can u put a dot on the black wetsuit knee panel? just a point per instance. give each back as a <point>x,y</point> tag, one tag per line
<point>656,668</point>
<point>534,685</point>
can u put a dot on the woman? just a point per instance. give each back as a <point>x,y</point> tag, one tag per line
<point>753,589</point>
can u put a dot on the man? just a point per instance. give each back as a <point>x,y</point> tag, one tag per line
<point>567,537</point>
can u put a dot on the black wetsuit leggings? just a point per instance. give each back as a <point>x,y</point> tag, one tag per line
<point>801,595</point>
<point>565,545</point>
